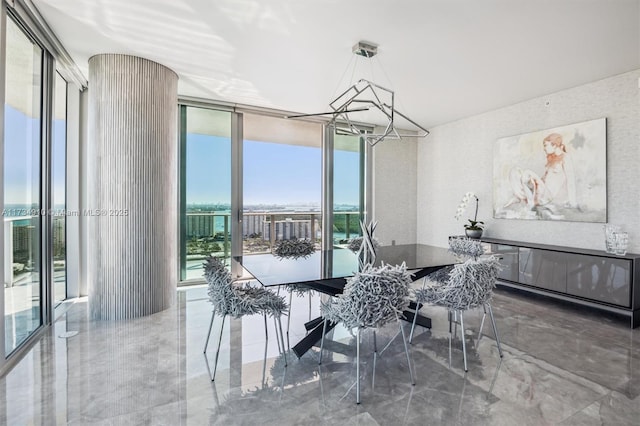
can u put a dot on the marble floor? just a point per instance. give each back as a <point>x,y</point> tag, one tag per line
<point>561,366</point>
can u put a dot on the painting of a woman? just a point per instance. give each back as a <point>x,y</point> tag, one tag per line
<point>551,194</point>
<point>559,177</point>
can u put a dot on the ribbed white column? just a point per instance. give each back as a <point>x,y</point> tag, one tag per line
<point>132,186</point>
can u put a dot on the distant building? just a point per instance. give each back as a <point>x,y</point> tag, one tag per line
<point>59,236</point>
<point>253,225</point>
<point>204,224</point>
<point>22,237</point>
<point>25,237</point>
<point>289,228</point>
<point>201,225</point>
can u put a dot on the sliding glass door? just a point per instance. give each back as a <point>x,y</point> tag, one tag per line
<point>348,187</point>
<point>22,187</point>
<point>282,180</point>
<point>205,228</point>
<point>277,191</point>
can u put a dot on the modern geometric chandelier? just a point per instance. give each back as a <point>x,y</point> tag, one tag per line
<point>367,96</point>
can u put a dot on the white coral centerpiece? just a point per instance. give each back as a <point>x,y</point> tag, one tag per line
<point>355,244</point>
<point>368,247</point>
<point>294,249</point>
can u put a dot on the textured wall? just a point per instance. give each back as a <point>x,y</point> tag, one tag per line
<point>132,175</point>
<point>394,196</point>
<point>457,157</point>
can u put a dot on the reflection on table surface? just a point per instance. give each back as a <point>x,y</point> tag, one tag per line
<point>339,263</point>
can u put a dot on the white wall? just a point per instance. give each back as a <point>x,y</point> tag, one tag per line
<point>394,190</point>
<point>457,157</point>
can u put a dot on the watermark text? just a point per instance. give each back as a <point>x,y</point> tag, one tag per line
<point>21,212</point>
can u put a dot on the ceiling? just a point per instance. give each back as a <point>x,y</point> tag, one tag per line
<point>445,59</point>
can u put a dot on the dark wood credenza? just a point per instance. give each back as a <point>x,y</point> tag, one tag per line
<point>588,277</point>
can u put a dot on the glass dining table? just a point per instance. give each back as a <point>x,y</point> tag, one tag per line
<point>327,271</point>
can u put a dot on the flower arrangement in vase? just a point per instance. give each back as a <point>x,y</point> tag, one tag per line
<point>474,228</point>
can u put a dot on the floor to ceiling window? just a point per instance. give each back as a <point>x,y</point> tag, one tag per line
<point>205,227</point>
<point>282,180</point>
<point>22,202</point>
<point>348,187</point>
<point>280,197</point>
<point>58,185</point>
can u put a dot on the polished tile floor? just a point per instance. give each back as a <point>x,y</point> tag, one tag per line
<point>560,366</point>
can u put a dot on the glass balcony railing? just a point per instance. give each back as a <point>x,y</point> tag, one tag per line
<point>21,248</point>
<point>209,233</point>
<point>22,293</point>
<point>22,286</point>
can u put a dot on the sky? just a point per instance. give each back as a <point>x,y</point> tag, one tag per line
<point>274,173</point>
<point>22,158</point>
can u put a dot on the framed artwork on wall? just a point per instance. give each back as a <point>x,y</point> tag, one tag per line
<point>554,174</point>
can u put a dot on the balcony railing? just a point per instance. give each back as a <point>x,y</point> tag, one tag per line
<point>21,247</point>
<point>209,232</point>
<point>19,242</point>
<point>206,233</point>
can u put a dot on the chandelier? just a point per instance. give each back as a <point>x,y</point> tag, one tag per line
<point>367,96</point>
